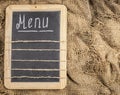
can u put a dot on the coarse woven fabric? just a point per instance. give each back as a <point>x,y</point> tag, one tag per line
<point>93,54</point>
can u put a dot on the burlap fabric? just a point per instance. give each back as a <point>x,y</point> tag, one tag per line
<point>93,35</point>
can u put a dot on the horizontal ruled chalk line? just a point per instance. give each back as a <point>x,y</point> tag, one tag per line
<point>38,69</point>
<point>30,31</point>
<point>36,77</point>
<point>39,60</point>
<point>38,49</point>
<point>28,41</point>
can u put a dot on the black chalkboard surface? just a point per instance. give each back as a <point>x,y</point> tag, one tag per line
<point>35,47</point>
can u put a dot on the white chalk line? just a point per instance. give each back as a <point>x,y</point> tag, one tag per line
<point>32,31</point>
<point>37,77</point>
<point>30,41</point>
<point>40,60</point>
<point>38,49</point>
<point>38,69</point>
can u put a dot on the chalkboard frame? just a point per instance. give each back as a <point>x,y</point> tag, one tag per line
<point>63,45</point>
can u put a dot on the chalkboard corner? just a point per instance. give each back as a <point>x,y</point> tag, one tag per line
<point>63,86</point>
<point>9,8</point>
<point>64,7</point>
<point>7,85</point>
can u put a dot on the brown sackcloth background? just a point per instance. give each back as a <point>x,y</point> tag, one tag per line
<point>93,56</point>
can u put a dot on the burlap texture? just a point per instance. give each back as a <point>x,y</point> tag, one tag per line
<point>93,35</point>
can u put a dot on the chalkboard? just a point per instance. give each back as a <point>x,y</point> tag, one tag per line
<point>35,47</point>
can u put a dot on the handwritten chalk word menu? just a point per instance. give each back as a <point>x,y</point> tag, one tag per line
<point>35,47</point>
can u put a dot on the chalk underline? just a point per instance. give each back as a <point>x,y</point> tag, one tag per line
<point>35,31</point>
